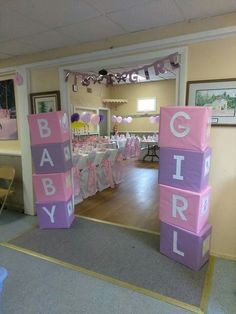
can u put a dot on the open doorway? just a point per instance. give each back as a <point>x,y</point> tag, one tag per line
<point>134,202</point>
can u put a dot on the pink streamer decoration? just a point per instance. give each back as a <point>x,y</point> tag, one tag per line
<point>91,178</point>
<point>108,172</point>
<point>18,79</point>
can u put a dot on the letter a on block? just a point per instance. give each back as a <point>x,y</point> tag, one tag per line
<point>44,130</point>
<point>50,213</point>
<point>46,158</point>
<point>175,239</point>
<point>177,175</point>
<point>185,128</point>
<point>49,188</point>
<point>177,208</point>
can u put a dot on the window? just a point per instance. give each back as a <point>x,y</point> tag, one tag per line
<point>146,104</point>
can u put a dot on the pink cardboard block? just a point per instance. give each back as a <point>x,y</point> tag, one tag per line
<point>185,127</point>
<point>55,214</point>
<point>50,127</point>
<point>185,247</point>
<point>186,209</point>
<point>52,187</point>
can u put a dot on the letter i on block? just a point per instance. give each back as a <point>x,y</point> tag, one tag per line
<point>184,169</point>
<point>187,248</point>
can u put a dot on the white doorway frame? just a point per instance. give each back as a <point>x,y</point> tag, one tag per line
<point>126,59</point>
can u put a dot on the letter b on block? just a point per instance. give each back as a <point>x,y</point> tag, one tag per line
<point>50,127</point>
<point>179,127</point>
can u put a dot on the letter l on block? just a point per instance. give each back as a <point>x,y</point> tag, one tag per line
<point>175,249</point>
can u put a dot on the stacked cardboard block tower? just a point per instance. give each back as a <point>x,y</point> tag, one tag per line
<point>52,159</point>
<point>183,184</point>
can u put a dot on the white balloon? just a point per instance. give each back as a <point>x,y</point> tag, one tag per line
<point>129,119</point>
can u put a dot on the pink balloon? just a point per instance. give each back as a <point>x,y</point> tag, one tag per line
<point>124,120</point>
<point>157,118</point>
<point>96,119</point>
<point>119,119</point>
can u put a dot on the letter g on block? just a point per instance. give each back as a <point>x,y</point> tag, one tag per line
<point>183,127</point>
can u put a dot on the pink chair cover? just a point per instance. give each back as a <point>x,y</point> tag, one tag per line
<point>137,147</point>
<point>91,178</point>
<point>76,173</point>
<point>108,172</point>
<point>118,168</point>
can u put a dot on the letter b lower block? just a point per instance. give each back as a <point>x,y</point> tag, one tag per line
<point>186,209</point>
<point>185,247</point>
<point>52,158</point>
<point>55,215</point>
<point>52,187</point>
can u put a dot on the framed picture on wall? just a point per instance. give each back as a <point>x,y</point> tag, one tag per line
<point>45,102</point>
<point>220,95</point>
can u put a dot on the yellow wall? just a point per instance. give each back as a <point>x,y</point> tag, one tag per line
<point>164,91</point>
<point>215,60</point>
<point>44,80</point>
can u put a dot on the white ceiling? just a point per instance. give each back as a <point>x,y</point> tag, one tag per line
<point>29,26</point>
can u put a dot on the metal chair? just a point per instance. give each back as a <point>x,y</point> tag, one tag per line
<point>7,175</point>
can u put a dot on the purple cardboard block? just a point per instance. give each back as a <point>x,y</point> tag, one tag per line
<point>184,169</point>
<point>185,247</point>
<point>52,158</point>
<point>55,215</point>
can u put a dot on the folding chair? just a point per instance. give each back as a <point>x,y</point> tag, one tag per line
<point>7,175</point>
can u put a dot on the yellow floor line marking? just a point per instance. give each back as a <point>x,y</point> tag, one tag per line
<point>119,225</point>
<point>207,285</point>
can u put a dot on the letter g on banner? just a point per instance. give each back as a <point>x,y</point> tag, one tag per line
<point>183,127</point>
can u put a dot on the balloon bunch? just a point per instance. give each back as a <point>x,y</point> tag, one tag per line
<point>86,117</point>
<point>154,119</point>
<point>119,119</point>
